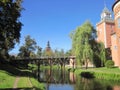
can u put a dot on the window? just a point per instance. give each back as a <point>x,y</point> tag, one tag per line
<point>114,36</point>
<point>118,22</point>
<point>115,47</point>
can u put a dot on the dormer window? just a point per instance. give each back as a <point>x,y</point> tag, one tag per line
<point>118,22</point>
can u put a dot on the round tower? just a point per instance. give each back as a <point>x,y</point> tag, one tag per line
<point>116,36</point>
<point>116,10</point>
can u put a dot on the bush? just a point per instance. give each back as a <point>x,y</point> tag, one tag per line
<point>109,64</point>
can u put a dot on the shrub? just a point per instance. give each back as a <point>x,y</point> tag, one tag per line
<point>109,64</point>
<point>87,75</point>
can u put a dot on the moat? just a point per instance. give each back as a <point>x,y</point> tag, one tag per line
<point>61,79</point>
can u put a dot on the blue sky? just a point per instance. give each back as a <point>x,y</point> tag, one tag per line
<point>53,20</point>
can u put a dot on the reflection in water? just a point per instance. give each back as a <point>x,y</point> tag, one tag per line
<point>72,77</point>
<point>116,87</point>
<point>60,79</point>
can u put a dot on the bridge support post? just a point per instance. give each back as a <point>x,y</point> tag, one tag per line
<point>38,70</point>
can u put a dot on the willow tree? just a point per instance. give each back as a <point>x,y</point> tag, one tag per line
<point>102,53</point>
<point>87,54</point>
<point>10,26</point>
<point>84,32</point>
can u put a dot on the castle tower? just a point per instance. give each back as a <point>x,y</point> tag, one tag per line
<point>105,27</point>
<point>48,50</point>
<point>115,37</point>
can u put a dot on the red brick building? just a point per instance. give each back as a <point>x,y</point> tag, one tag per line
<point>115,37</point>
<point>108,31</point>
<point>105,27</point>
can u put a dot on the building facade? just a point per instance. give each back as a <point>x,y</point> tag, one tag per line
<point>105,28</point>
<point>108,31</point>
<point>115,37</point>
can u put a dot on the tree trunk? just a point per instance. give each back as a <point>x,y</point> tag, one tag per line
<point>86,64</point>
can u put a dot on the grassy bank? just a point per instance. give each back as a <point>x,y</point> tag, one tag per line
<point>6,79</point>
<point>102,73</point>
<point>8,75</point>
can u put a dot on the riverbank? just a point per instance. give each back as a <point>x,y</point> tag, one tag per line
<point>11,77</point>
<point>102,73</point>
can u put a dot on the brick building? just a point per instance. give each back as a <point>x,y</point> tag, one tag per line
<point>108,31</point>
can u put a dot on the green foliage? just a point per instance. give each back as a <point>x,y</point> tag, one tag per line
<point>102,53</point>
<point>10,26</point>
<point>59,53</point>
<point>27,50</point>
<point>87,54</point>
<point>39,51</point>
<point>109,64</point>
<point>69,53</point>
<point>99,53</point>
<point>87,75</point>
<point>81,42</point>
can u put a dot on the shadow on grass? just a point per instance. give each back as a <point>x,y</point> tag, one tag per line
<point>20,89</point>
<point>87,75</point>
<point>14,71</point>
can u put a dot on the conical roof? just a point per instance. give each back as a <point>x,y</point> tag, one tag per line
<point>106,10</point>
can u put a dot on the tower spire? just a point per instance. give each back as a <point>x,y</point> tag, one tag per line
<point>48,44</point>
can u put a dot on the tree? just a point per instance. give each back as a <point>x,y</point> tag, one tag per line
<point>39,51</point>
<point>28,48</point>
<point>102,53</point>
<point>79,37</point>
<point>10,26</point>
<point>96,53</point>
<point>68,53</point>
<point>87,54</point>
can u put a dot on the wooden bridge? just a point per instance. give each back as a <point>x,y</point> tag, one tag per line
<point>48,60</point>
<point>60,61</point>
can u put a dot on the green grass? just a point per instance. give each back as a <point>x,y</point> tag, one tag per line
<point>24,82</point>
<point>6,80</point>
<point>103,73</point>
<point>8,75</point>
<point>37,85</point>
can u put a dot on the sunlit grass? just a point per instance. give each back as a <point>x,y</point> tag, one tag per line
<point>102,73</point>
<point>6,80</point>
<point>23,82</point>
<point>37,84</point>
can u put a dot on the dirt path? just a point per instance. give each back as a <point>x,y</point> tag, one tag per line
<point>30,84</point>
<point>16,82</point>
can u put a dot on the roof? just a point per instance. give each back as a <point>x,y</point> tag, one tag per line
<point>105,10</point>
<point>115,4</point>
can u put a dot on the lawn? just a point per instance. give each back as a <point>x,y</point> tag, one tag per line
<point>24,82</point>
<point>8,75</point>
<point>6,79</point>
<point>102,73</point>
